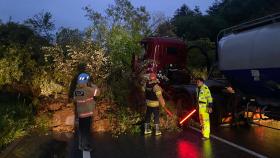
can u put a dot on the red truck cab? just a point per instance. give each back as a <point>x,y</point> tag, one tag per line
<point>167,56</point>
<point>164,51</point>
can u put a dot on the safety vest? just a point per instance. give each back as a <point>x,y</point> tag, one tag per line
<point>151,92</point>
<point>84,101</point>
<point>203,97</point>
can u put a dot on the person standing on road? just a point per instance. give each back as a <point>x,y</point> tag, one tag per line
<point>205,103</point>
<point>233,103</point>
<point>154,98</point>
<point>84,100</point>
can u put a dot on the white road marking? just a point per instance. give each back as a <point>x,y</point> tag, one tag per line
<point>86,154</point>
<point>233,145</point>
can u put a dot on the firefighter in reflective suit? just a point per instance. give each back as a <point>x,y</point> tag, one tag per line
<point>84,100</point>
<point>154,99</point>
<point>205,101</point>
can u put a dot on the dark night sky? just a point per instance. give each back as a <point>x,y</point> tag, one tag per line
<point>69,13</point>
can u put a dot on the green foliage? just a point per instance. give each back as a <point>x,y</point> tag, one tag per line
<point>44,85</point>
<point>67,36</point>
<point>197,61</point>
<point>119,83</point>
<point>119,33</point>
<point>11,33</point>
<point>184,10</point>
<point>130,122</point>
<point>64,68</point>
<point>41,123</point>
<point>21,56</point>
<point>237,11</point>
<point>169,123</point>
<point>126,121</point>
<point>16,118</point>
<point>10,69</point>
<point>120,30</point>
<point>165,29</point>
<point>42,23</point>
<point>121,46</point>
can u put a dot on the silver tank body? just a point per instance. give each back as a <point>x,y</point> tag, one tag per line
<point>257,48</point>
<point>250,59</point>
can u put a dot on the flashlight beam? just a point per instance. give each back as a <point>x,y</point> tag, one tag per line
<point>190,114</point>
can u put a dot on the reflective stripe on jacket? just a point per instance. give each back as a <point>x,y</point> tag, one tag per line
<point>88,114</point>
<point>152,103</point>
<point>84,101</point>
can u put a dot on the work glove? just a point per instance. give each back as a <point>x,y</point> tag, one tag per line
<point>210,110</point>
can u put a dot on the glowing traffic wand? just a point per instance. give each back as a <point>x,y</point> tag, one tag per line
<point>189,115</point>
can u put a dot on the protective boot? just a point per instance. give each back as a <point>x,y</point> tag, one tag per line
<point>147,129</point>
<point>157,132</point>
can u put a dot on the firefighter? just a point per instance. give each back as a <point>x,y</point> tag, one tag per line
<point>84,100</point>
<point>154,98</point>
<point>205,100</point>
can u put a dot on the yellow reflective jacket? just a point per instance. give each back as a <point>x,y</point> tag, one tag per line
<point>204,96</point>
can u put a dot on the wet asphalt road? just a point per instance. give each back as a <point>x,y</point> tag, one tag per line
<point>259,139</point>
<point>185,144</point>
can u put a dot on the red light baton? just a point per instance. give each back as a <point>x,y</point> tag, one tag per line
<point>167,111</point>
<point>189,115</point>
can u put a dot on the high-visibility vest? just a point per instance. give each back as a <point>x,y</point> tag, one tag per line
<point>203,97</point>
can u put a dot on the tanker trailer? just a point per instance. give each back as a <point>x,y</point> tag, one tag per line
<point>249,57</point>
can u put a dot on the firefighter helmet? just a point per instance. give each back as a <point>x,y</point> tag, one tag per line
<point>153,76</point>
<point>83,78</point>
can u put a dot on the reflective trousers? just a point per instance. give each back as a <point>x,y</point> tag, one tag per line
<point>204,122</point>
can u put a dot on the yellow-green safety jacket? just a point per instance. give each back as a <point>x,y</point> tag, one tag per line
<point>204,98</point>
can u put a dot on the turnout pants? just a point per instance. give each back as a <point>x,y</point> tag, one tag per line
<point>149,112</point>
<point>85,131</point>
<point>204,121</point>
